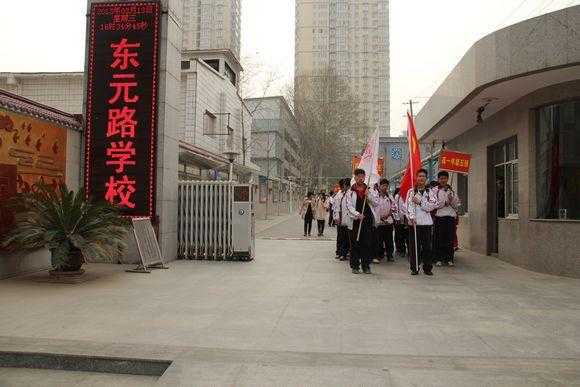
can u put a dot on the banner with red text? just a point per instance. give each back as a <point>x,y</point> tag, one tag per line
<point>452,161</point>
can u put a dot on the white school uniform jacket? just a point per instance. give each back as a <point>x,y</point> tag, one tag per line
<point>400,212</point>
<point>382,206</point>
<point>340,207</point>
<point>335,201</point>
<point>350,201</point>
<point>421,213</point>
<point>448,203</point>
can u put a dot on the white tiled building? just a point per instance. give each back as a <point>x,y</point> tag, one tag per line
<point>212,116</point>
<point>352,38</point>
<point>62,91</point>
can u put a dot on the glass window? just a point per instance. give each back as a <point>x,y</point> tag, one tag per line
<point>505,156</point>
<point>462,192</point>
<point>509,189</point>
<point>209,123</point>
<point>558,161</point>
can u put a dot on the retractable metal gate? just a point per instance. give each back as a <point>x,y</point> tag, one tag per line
<point>211,224</point>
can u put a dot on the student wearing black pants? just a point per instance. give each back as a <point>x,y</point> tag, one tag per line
<point>401,229</point>
<point>320,209</point>
<point>320,223</point>
<point>308,224</point>
<point>420,202</point>
<point>401,234</point>
<point>445,219</point>
<point>385,242</point>
<point>331,196</point>
<point>341,220</point>
<point>307,212</point>
<point>363,244</point>
<point>383,207</point>
<point>424,248</point>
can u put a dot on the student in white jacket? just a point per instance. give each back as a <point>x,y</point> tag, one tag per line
<point>401,228</point>
<point>420,202</point>
<point>362,248</point>
<point>444,229</point>
<point>342,219</point>
<point>383,207</point>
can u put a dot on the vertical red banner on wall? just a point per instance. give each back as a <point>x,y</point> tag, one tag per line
<point>121,111</point>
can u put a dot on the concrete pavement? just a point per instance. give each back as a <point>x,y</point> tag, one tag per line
<point>295,316</point>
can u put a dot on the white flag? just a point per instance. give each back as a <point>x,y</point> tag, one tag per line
<point>370,160</point>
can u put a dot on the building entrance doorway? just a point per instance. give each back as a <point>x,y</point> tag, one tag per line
<point>502,188</point>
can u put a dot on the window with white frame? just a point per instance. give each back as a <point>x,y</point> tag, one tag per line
<point>505,161</point>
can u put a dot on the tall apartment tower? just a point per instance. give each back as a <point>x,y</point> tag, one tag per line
<point>212,25</point>
<point>351,37</point>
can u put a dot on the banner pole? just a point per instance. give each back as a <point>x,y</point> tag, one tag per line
<point>416,248</point>
<point>413,189</point>
<point>363,210</point>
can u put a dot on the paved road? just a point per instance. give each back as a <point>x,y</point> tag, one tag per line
<point>295,316</point>
<point>293,229</point>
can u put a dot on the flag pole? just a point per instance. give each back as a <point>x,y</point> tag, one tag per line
<point>413,189</point>
<point>373,166</point>
<point>363,208</point>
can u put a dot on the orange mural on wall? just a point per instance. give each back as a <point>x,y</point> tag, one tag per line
<point>31,150</point>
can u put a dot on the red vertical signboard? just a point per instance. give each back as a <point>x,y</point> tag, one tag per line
<point>121,111</point>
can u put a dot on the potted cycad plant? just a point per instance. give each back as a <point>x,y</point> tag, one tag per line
<point>75,230</point>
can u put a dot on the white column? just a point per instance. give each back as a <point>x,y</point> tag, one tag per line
<point>167,128</point>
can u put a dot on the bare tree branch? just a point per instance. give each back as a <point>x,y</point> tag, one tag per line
<point>331,124</point>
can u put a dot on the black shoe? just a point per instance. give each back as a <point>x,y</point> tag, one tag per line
<point>414,272</point>
<point>343,258</point>
<point>355,271</point>
<point>428,272</point>
<point>390,259</point>
<point>367,271</point>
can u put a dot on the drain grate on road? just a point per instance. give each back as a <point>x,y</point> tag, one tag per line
<point>324,239</point>
<point>63,362</point>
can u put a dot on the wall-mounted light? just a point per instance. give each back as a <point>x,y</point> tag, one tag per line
<point>480,110</point>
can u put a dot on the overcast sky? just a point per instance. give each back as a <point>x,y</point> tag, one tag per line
<point>427,39</point>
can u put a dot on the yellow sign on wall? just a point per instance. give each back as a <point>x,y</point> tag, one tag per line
<point>31,150</point>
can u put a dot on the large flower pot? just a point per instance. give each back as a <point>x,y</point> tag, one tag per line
<point>70,272</point>
<point>73,264</point>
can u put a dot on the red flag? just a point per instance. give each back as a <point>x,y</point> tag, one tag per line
<point>414,164</point>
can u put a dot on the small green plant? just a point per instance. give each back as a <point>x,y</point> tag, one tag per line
<point>73,229</point>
